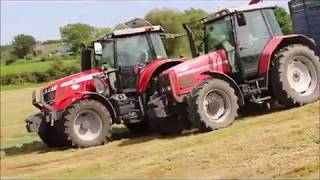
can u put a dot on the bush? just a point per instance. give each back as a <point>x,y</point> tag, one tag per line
<point>65,57</point>
<point>54,58</point>
<point>28,57</point>
<point>18,80</point>
<point>41,77</point>
<point>56,71</point>
<point>8,58</point>
<point>43,58</point>
<point>30,77</point>
<point>71,70</point>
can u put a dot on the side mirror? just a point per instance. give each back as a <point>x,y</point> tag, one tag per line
<point>97,48</point>
<point>241,19</point>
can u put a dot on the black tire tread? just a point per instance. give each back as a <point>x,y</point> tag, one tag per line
<point>278,85</point>
<point>193,110</point>
<point>50,135</point>
<point>94,105</point>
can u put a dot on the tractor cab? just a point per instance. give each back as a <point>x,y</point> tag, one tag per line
<point>242,32</point>
<point>127,51</point>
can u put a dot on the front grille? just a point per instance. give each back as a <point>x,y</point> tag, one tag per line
<point>49,97</point>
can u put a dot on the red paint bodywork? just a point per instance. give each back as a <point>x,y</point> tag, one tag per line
<point>146,75</point>
<point>65,94</point>
<point>270,48</point>
<point>192,72</point>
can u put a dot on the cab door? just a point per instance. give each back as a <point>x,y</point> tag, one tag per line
<point>252,34</point>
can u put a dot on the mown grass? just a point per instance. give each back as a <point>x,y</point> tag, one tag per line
<point>271,144</point>
<point>32,67</point>
<point>21,86</point>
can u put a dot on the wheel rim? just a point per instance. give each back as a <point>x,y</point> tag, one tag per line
<point>216,105</point>
<point>88,125</point>
<point>302,76</point>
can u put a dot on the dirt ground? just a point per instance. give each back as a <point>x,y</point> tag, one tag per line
<point>272,144</point>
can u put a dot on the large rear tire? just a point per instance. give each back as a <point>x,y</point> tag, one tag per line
<point>87,123</point>
<point>212,105</point>
<point>295,75</point>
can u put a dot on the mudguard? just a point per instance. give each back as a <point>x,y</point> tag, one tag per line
<point>154,68</point>
<point>277,43</point>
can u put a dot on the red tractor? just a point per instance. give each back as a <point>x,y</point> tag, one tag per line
<point>247,59</point>
<point>118,79</point>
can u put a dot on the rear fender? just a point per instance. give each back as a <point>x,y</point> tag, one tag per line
<point>276,44</point>
<point>154,69</point>
<point>233,84</point>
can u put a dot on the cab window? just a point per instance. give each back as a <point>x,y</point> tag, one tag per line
<point>158,45</point>
<point>107,55</point>
<point>217,33</point>
<point>133,50</point>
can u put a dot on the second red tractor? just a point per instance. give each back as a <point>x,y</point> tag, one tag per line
<point>247,58</point>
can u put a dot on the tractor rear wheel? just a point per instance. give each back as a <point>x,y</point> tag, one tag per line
<point>212,105</point>
<point>87,123</point>
<point>295,75</point>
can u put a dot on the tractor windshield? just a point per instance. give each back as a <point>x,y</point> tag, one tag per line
<point>136,49</point>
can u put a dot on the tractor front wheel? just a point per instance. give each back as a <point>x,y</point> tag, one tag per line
<point>50,135</point>
<point>295,75</point>
<point>87,123</point>
<point>212,105</point>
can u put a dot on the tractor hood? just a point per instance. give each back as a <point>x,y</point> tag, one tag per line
<point>59,94</point>
<point>210,61</point>
<point>74,78</point>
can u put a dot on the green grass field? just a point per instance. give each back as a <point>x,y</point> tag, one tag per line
<point>262,145</point>
<point>32,67</point>
<point>22,86</point>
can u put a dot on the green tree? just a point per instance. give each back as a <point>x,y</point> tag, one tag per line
<point>171,20</point>
<point>193,15</point>
<point>75,34</point>
<point>102,31</point>
<point>120,26</point>
<point>284,20</point>
<point>22,45</point>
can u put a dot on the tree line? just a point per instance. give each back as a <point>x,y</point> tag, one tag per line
<point>171,20</point>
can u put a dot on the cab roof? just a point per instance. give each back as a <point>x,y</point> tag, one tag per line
<point>138,30</point>
<point>229,11</point>
<point>251,7</point>
<point>130,31</point>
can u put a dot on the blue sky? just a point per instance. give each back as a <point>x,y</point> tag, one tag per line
<point>42,19</point>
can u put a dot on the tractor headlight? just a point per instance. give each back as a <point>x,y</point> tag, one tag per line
<point>101,87</point>
<point>165,84</point>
